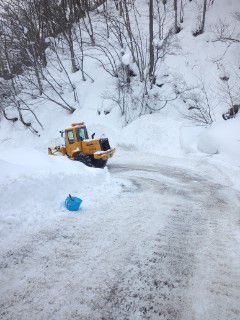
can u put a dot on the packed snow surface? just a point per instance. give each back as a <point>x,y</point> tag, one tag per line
<point>157,238</point>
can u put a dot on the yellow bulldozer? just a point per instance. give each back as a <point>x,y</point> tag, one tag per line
<point>92,152</point>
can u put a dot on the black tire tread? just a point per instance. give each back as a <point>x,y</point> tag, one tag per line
<point>85,159</point>
<point>98,163</point>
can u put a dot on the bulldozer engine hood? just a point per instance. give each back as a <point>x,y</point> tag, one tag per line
<point>90,146</point>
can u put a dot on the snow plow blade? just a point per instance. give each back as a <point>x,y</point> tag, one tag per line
<point>104,155</point>
<point>57,151</point>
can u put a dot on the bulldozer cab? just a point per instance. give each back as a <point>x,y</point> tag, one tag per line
<point>74,137</point>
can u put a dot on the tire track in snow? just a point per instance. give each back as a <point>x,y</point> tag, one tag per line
<point>157,287</point>
<point>218,274</point>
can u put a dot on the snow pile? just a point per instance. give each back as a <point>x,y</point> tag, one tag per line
<point>31,161</point>
<point>34,185</point>
<point>153,134</point>
<point>222,138</point>
<point>207,143</point>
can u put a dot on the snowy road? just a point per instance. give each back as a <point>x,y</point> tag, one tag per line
<point>167,247</point>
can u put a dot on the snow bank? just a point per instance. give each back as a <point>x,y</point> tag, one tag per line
<point>223,138</point>
<point>153,134</point>
<point>222,143</point>
<point>34,185</point>
<point>22,164</point>
<point>207,143</point>
<point>32,161</point>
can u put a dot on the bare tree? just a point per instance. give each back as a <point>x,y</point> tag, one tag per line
<point>201,27</point>
<point>151,45</point>
<point>203,16</point>
<point>200,107</point>
<point>176,25</point>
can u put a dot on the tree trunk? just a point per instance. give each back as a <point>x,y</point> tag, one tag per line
<point>181,11</point>
<point>176,26</point>
<point>72,53</point>
<point>203,16</point>
<point>128,27</point>
<point>151,47</point>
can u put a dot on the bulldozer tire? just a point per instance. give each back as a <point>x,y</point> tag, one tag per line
<point>85,159</point>
<point>98,163</point>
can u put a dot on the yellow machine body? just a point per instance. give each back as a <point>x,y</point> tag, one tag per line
<point>78,145</point>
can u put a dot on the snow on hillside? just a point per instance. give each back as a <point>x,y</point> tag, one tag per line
<point>193,63</point>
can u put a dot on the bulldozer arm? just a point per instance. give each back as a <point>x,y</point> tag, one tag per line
<point>57,151</point>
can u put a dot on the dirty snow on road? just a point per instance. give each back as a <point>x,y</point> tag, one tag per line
<point>160,242</point>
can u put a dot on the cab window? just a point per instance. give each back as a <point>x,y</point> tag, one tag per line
<point>70,137</point>
<point>81,134</point>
